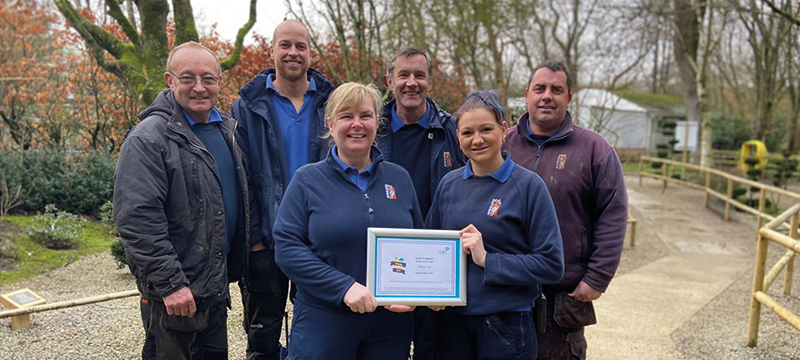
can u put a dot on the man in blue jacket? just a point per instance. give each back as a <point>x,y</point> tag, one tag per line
<point>281,114</point>
<point>420,137</point>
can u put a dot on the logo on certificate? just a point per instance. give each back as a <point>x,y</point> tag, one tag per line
<point>494,207</point>
<point>398,265</point>
<point>561,162</point>
<point>448,162</point>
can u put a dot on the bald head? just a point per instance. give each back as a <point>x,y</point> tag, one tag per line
<point>191,45</point>
<point>290,25</point>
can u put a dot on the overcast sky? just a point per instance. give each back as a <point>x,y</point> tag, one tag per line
<point>230,15</point>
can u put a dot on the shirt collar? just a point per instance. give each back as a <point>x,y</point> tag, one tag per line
<point>214,116</point>
<point>502,174</point>
<point>425,121</point>
<point>312,85</point>
<point>346,167</point>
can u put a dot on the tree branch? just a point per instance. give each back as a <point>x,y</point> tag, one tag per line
<point>130,31</point>
<point>231,60</point>
<point>185,29</point>
<point>100,37</point>
<point>782,13</point>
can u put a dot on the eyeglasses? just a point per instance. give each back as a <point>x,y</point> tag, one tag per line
<point>190,80</point>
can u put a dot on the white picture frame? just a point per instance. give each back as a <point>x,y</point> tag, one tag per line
<point>416,267</point>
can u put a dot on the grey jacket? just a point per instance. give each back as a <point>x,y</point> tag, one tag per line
<point>169,208</point>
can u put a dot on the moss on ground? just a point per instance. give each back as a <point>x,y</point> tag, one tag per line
<point>34,259</point>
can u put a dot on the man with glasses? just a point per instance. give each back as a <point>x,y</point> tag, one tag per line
<point>181,207</point>
<point>281,114</point>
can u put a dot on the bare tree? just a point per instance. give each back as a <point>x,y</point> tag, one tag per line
<point>694,37</point>
<point>140,61</point>
<point>766,34</point>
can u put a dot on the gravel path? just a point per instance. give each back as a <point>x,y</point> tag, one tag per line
<point>113,330</point>
<point>108,330</point>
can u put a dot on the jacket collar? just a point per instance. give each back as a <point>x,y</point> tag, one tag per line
<point>374,153</point>
<point>437,118</point>
<point>253,92</point>
<point>568,128</point>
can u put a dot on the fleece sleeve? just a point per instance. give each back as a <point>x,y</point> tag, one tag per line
<point>610,216</point>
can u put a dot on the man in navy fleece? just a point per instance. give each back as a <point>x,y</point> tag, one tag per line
<point>421,137</point>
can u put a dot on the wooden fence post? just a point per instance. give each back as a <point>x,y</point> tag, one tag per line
<point>758,286</point>
<point>641,169</point>
<point>787,281</point>
<point>664,177</point>
<point>728,199</point>
<point>762,199</point>
<point>708,187</point>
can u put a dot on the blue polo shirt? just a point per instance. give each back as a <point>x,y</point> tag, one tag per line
<point>361,179</point>
<point>295,126</point>
<point>211,137</point>
<point>502,174</point>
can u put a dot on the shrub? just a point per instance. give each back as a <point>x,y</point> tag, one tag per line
<point>77,183</point>
<point>55,229</point>
<point>117,251</point>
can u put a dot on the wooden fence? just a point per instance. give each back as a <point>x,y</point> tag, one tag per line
<point>773,231</point>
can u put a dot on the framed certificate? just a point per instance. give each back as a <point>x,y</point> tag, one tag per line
<point>416,267</point>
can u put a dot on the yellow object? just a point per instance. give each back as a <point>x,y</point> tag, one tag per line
<point>753,148</point>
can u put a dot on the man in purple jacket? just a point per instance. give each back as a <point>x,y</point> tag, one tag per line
<point>584,177</point>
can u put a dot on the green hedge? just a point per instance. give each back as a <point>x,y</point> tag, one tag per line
<point>77,183</point>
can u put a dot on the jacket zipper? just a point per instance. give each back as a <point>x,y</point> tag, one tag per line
<point>489,324</point>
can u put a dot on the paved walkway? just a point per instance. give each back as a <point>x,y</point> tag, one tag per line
<point>644,306</point>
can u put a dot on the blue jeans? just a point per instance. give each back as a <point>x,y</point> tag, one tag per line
<point>506,335</point>
<point>328,334</point>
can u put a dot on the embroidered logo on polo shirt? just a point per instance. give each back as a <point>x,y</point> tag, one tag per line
<point>494,207</point>
<point>390,194</point>
<point>448,162</point>
<point>561,163</point>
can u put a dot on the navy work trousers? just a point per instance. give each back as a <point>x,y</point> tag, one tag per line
<point>321,334</point>
<point>264,299</point>
<point>507,335</point>
<point>203,336</point>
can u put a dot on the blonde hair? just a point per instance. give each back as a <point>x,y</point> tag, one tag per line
<point>348,96</point>
<point>195,45</point>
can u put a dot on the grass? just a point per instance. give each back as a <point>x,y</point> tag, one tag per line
<point>632,168</point>
<point>34,259</point>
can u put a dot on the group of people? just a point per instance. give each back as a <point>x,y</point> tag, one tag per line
<point>285,187</point>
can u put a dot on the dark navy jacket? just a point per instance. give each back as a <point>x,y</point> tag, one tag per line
<point>446,155</point>
<point>518,224</point>
<point>321,230</point>
<point>169,208</point>
<point>261,141</point>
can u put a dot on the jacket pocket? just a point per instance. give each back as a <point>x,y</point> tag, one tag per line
<point>192,177</point>
<point>572,314</point>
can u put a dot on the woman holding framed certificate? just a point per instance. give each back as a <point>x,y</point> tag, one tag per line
<point>321,238</point>
<point>508,227</point>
